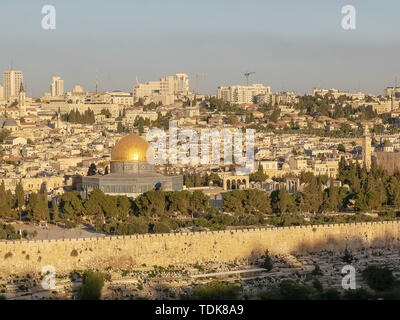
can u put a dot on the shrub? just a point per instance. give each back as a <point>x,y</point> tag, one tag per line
<point>91,287</point>
<point>378,278</point>
<point>133,226</point>
<point>290,290</point>
<point>330,294</point>
<point>267,263</point>
<point>107,277</point>
<point>271,294</point>
<point>347,257</point>
<point>318,285</point>
<point>70,224</point>
<point>8,255</point>
<point>317,271</point>
<point>161,227</point>
<point>215,290</point>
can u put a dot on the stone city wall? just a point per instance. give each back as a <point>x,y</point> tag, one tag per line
<point>123,252</point>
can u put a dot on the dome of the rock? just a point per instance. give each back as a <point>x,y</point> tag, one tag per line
<point>130,148</point>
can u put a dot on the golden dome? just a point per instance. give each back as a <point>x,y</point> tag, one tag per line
<point>130,148</point>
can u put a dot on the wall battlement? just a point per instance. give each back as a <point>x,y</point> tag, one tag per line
<point>200,233</point>
<point>65,255</point>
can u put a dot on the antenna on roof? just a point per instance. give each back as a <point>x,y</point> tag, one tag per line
<point>97,80</point>
<point>394,93</point>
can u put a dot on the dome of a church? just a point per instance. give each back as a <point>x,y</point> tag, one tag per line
<point>130,148</point>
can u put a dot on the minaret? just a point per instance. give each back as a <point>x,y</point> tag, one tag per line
<point>21,100</point>
<point>21,96</point>
<point>59,122</point>
<point>366,149</point>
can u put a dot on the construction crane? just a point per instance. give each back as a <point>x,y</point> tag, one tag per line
<point>197,75</point>
<point>247,74</point>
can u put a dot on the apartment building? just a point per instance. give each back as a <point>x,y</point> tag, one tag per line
<point>120,97</point>
<point>175,85</point>
<point>335,93</point>
<point>284,98</point>
<point>389,91</point>
<point>242,94</point>
<point>12,83</point>
<point>57,87</point>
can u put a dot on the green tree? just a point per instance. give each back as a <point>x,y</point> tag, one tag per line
<point>312,196</point>
<point>19,196</point>
<point>120,127</point>
<point>6,202</point>
<point>92,285</point>
<point>275,115</point>
<point>151,203</point>
<point>378,278</point>
<point>40,209</point>
<point>290,290</point>
<point>259,175</point>
<point>341,148</point>
<point>56,212</point>
<point>283,202</point>
<point>232,119</point>
<point>347,257</point>
<point>161,227</point>
<point>215,178</point>
<point>92,170</point>
<point>71,207</point>
<point>215,290</point>
<point>267,263</point>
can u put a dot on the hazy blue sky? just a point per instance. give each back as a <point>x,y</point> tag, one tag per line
<point>291,44</point>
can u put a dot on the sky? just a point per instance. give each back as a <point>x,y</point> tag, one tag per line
<point>290,44</point>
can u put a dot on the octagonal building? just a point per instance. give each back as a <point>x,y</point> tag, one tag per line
<point>130,173</point>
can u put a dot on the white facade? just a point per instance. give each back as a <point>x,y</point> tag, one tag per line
<point>337,93</point>
<point>177,84</point>
<point>390,91</point>
<point>57,87</point>
<point>12,83</point>
<point>77,89</point>
<point>119,97</point>
<point>242,94</point>
<point>182,83</point>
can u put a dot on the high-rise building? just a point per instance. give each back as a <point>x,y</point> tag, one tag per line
<point>242,94</point>
<point>77,89</point>
<point>1,92</point>
<point>182,84</point>
<point>389,92</point>
<point>177,84</point>
<point>12,83</point>
<point>57,87</point>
